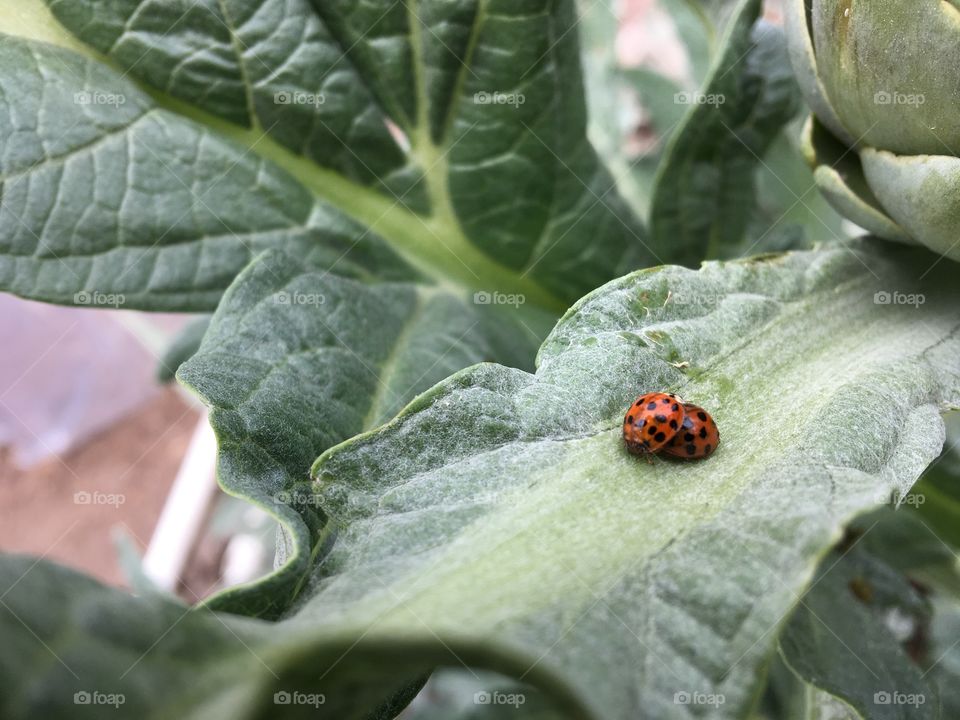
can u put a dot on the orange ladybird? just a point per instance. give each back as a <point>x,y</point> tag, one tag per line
<point>651,422</point>
<point>698,435</point>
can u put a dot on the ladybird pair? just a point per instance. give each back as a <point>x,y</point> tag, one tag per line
<point>663,423</point>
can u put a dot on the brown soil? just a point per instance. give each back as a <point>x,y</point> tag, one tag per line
<point>126,472</point>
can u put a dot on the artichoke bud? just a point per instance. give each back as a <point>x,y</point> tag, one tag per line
<point>882,78</point>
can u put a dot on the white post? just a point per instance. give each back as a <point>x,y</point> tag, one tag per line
<point>185,510</point>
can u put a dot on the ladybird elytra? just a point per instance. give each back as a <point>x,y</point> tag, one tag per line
<point>698,436</point>
<point>652,421</point>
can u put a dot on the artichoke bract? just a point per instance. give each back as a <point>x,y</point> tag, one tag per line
<point>882,79</point>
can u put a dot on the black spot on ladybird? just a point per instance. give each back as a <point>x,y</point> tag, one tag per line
<point>691,449</point>
<point>659,437</point>
<point>702,416</point>
<point>688,437</point>
<point>703,432</point>
<point>673,424</point>
<point>652,430</point>
<point>652,406</point>
<point>630,419</point>
<point>675,407</point>
<point>660,418</point>
<point>666,401</point>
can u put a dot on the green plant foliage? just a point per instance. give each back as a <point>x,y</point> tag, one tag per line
<point>385,207</point>
<point>499,522</point>
<point>748,98</point>
<point>182,347</point>
<point>282,351</point>
<point>863,630</point>
<point>197,139</point>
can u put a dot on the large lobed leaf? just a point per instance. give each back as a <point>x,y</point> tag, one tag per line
<point>209,131</point>
<point>499,522</point>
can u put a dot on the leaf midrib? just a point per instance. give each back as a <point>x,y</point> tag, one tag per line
<point>450,575</point>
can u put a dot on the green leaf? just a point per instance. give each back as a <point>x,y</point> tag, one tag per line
<point>126,198</point>
<point>908,544</point>
<point>878,625</point>
<point>485,481</point>
<point>498,521</point>
<point>863,631</point>
<point>97,650</point>
<point>204,135</point>
<point>937,495</point>
<point>789,213</point>
<point>296,360</point>
<point>631,104</point>
<point>182,348</point>
<point>465,694</point>
<point>705,192</point>
<point>944,654</point>
<point>788,696</point>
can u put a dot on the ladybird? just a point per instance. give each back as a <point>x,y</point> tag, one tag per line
<point>651,422</point>
<point>698,435</point>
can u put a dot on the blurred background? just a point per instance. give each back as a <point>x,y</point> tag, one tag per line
<point>92,445</point>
